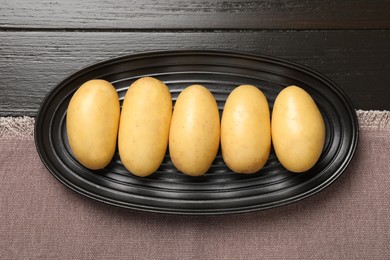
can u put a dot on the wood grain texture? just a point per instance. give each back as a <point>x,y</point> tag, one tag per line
<point>194,14</point>
<point>31,63</point>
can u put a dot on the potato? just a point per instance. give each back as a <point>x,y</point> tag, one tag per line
<point>246,130</point>
<point>195,131</point>
<point>298,129</point>
<point>92,123</point>
<point>144,126</point>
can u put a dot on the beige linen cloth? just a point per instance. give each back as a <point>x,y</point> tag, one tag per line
<point>42,219</point>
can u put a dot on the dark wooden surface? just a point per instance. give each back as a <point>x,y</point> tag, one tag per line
<point>41,42</point>
<point>195,14</point>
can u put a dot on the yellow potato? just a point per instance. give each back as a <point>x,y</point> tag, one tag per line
<point>246,130</point>
<point>195,131</point>
<point>144,126</point>
<point>92,123</point>
<point>298,129</point>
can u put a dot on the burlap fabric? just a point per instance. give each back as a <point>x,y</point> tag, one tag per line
<point>42,219</point>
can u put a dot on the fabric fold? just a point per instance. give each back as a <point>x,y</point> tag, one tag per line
<point>23,127</point>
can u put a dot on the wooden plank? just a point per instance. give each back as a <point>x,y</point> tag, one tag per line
<point>31,63</point>
<point>194,14</point>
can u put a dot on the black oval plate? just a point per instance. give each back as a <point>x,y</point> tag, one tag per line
<point>219,191</point>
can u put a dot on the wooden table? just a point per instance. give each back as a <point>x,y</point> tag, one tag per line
<point>41,42</point>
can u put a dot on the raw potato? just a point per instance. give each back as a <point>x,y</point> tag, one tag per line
<point>246,130</point>
<point>195,131</point>
<point>144,126</point>
<point>92,123</point>
<point>298,129</point>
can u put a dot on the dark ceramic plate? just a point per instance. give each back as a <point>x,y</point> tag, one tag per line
<point>219,191</point>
